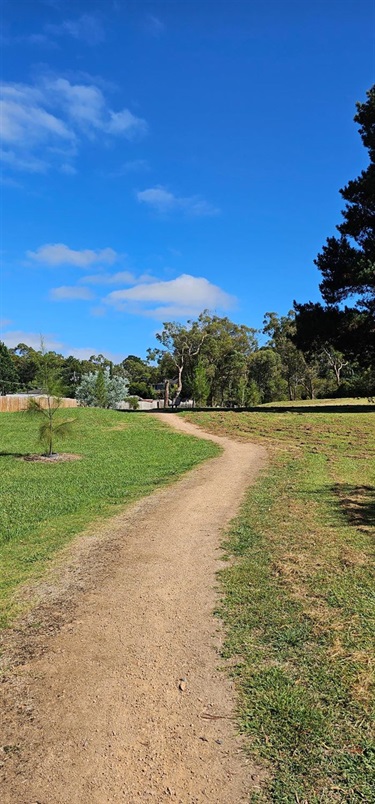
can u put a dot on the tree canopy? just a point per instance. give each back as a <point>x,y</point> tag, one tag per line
<point>347,263</point>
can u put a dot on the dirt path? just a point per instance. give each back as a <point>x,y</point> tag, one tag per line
<point>93,711</point>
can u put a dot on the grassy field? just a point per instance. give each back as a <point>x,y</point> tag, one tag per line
<point>298,603</point>
<point>44,505</point>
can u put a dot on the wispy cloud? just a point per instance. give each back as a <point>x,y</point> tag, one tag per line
<point>120,278</point>
<point>154,25</point>
<point>7,181</point>
<point>54,254</point>
<point>87,28</point>
<point>99,311</point>
<point>71,293</point>
<point>186,295</point>
<point>132,166</point>
<point>68,169</point>
<point>4,322</point>
<point>13,337</point>
<point>38,39</point>
<point>44,124</point>
<point>163,201</point>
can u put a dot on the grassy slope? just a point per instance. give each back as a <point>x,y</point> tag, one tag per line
<point>44,505</point>
<point>299,603</point>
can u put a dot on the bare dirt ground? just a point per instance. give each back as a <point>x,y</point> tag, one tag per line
<point>94,707</point>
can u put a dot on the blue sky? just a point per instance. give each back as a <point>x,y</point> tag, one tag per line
<point>160,158</point>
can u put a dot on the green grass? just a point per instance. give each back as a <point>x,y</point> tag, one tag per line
<point>42,506</point>
<point>298,603</point>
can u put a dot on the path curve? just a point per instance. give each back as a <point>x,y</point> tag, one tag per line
<point>96,716</point>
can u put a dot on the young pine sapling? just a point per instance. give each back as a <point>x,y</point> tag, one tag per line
<point>51,428</point>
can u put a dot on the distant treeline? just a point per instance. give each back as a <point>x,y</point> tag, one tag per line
<point>211,360</point>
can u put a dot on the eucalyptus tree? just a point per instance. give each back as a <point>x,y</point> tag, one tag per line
<point>180,344</point>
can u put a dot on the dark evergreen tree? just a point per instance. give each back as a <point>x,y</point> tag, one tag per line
<point>347,262</point>
<point>101,390</point>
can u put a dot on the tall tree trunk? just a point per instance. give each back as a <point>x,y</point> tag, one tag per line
<point>179,384</point>
<point>166,393</point>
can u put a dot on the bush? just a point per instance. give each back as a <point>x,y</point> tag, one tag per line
<point>98,389</point>
<point>133,402</point>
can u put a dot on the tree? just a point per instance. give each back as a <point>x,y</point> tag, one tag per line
<point>347,262</point>
<point>226,352</point>
<point>117,389</point>
<point>26,361</point>
<point>9,380</point>
<point>98,389</point>
<point>141,376</point>
<point>325,333</point>
<point>71,373</point>
<point>51,428</point>
<point>265,370</point>
<point>201,386</point>
<point>180,345</point>
<point>293,365</point>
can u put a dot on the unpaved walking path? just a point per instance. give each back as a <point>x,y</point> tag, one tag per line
<point>94,712</point>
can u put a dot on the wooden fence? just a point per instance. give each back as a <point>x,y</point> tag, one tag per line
<point>13,403</point>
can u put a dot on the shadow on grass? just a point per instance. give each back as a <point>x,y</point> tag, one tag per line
<point>273,409</point>
<point>357,503</point>
<point>353,504</point>
<point>14,454</point>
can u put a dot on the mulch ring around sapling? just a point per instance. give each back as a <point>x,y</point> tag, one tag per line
<point>56,457</point>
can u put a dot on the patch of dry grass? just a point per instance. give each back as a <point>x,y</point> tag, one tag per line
<point>299,602</point>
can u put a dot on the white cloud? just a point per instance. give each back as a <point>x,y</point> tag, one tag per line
<point>70,293</point>
<point>4,322</point>
<point>22,112</point>
<point>186,295</point>
<point>43,125</point>
<point>124,123</point>
<point>59,254</point>
<point>163,201</point>
<point>87,108</point>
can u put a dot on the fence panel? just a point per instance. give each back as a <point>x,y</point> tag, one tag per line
<point>14,403</point>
